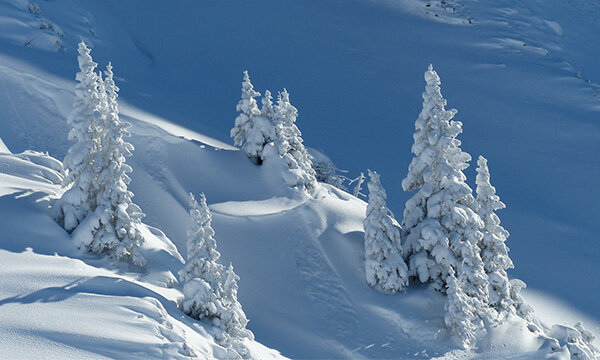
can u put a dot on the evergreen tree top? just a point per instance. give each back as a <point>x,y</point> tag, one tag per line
<point>436,148</point>
<point>486,193</point>
<point>267,106</point>
<point>377,194</point>
<point>286,112</point>
<point>247,87</point>
<point>109,82</point>
<point>86,63</point>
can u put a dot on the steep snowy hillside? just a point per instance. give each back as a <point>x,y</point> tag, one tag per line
<point>519,73</point>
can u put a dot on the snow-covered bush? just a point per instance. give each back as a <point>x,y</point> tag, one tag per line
<point>522,309</point>
<point>494,252</point>
<point>210,291</point>
<point>289,145</point>
<point>252,131</point>
<point>325,169</point>
<point>80,197</point>
<point>577,340</point>
<point>385,268</point>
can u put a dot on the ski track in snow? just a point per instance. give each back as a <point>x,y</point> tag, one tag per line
<point>321,281</point>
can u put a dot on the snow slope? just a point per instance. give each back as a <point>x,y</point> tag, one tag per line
<point>518,74</point>
<point>58,304</point>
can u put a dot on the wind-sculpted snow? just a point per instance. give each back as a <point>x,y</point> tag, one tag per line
<point>29,171</point>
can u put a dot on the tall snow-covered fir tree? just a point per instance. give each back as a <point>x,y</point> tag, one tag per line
<point>115,221</point>
<point>441,227</point>
<point>79,199</point>
<point>290,146</point>
<point>494,251</point>
<point>202,275</point>
<point>251,131</point>
<point>385,268</point>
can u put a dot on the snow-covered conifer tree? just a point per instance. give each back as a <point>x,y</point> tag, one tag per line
<point>461,316</point>
<point>209,290</point>
<point>80,197</point>
<point>441,228</point>
<point>116,219</point>
<point>202,275</point>
<point>385,268</point>
<point>267,109</point>
<point>232,319</point>
<point>494,252</point>
<point>251,131</point>
<point>290,145</point>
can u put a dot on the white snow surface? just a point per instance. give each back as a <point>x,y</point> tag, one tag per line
<point>300,259</point>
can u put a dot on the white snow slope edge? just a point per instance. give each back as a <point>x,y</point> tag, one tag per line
<point>300,260</point>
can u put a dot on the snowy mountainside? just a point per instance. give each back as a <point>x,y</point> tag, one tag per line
<point>85,307</point>
<point>299,259</point>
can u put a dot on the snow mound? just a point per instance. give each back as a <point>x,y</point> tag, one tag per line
<point>29,171</point>
<point>276,205</point>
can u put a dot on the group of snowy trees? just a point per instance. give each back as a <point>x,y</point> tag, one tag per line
<point>97,209</point>
<point>448,237</point>
<point>271,133</point>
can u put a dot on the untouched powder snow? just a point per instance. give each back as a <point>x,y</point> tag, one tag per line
<point>520,74</point>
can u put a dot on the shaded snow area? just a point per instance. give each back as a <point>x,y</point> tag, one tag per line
<point>528,94</point>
